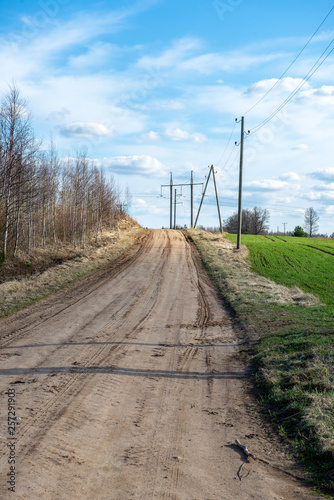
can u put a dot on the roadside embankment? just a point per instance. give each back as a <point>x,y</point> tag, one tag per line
<point>290,341</point>
<point>49,276</point>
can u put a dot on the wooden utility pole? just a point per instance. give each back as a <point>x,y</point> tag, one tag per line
<point>171,200</point>
<point>206,185</point>
<point>192,199</point>
<point>171,185</point>
<point>174,208</point>
<point>214,181</point>
<point>240,182</point>
<point>200,206</point>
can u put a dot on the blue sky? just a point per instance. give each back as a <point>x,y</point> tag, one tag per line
<point>154,86</point>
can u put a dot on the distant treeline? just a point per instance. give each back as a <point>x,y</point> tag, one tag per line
<point>44,200</point>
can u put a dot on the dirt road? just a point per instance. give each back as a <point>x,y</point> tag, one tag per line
<point>130,386</point>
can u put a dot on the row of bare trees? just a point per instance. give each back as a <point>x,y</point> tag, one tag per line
<point>44,200</point>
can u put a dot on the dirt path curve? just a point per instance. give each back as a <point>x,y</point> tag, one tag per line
<point>130,386</point>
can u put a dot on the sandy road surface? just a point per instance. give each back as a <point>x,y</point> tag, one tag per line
<point>129,386</point>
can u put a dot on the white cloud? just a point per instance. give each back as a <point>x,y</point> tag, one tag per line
<point>287,84</point>
<point>133,165</point>
<point>80,129</point>
<point>266,185</point>
<point>228,62</point>
<point>325,90</point>
<point>151,136</point>
<point>320,195</point>
<point>96,55</point>
<point>171,57</point>
<point>182,135</point>
<point>318,96</point>
<point>325,174</point>
<point>291,176</point>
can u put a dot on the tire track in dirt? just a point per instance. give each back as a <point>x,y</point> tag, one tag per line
<point>147,392</point>
<point>98,280</point>
<point>76,380</point>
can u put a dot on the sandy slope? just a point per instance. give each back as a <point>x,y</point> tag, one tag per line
<point>129,386</point>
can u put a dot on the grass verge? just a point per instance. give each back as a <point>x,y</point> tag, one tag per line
<point>290,333</point>
<point>17,293</point>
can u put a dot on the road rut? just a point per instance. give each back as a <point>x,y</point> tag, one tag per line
<point>130,386</point>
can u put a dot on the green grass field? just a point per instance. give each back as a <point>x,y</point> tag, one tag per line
<point>292,344</point>
<point>303,262</point>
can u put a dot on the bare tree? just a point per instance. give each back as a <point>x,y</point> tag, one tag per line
<point>311,221</point>
<point>44,201</point>
<point>255,221</point>
<point>127,200</point>
<point>17,146</point>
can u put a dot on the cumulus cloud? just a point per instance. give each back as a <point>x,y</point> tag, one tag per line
<point>322,95</point>
<point>326,174</point>
<point>287,84</point>
<point>291,176</point>
<point>81,129</point>
<point>151,136</point>
<point>182,135</point>
<point>134,165</point>
<point>325,90</point>
<point>266,185</point>
<point>322,196</point>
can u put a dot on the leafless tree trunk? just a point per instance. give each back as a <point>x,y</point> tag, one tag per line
<point>17,144</point>
<point>311,221</point>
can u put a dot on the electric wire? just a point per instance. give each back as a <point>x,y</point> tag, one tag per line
<point>307,77</point>
<point>292,63</point>
<point>227,145</point>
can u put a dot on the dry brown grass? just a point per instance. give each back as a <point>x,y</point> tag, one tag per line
<point>75,263</point>
<point>233,267</point>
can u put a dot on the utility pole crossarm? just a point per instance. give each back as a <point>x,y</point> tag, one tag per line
<point>171,185</point>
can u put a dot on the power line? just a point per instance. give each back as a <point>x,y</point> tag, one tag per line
<point>295,59</point>
<point>227,145</point>
<point>311,72</point>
